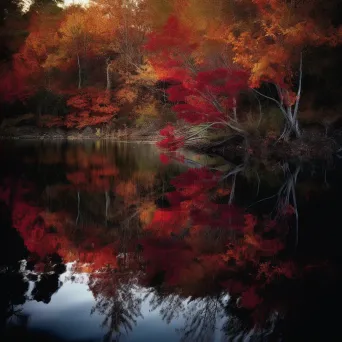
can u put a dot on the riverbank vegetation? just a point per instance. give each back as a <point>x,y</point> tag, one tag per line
<point>200,71</point>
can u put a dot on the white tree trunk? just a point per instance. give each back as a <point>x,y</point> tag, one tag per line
<point>289,111</point>
<point>287,196</point>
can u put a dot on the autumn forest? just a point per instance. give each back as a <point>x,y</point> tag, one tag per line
<point>170,170</point>
<point>220,68</point>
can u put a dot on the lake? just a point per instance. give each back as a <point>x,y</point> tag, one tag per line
<point>118,242</point>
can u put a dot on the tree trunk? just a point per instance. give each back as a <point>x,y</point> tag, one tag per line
<point>287,196</point>
<point>289,111</point>
<point>79,72</point>
<point>291,128</point>
<point>107,197</point>
<point>78,207</point>
<point>109,81</point>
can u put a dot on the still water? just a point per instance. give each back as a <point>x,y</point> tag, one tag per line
<point>117,242</point>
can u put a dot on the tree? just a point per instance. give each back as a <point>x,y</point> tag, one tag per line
<point>129,26</point>
<point>272,47</point>
<point>25,77</point>
<point>203,95</point>
<point>74,40</point>
<point>13,26</point>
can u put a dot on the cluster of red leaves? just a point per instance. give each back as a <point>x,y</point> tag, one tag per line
<point>45,234</point>
<point>209,95</point>
<point>201,97</point>
<point>195,193</point>
<point>90,108</point>
<point>170,39</point>
<point>93,180</point>
<point>243,243</point>
<point>164,158</point>
<point>12,87</point>
<point>170,50</point>
<point>187,203</point>
<point>170,142</point>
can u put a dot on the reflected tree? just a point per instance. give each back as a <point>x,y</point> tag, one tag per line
<point>14,286</point>
<point>170,305</point>
<point>47,280</point>
<point>117,299</point>
<point>287,200</point>
<point>202,318</point>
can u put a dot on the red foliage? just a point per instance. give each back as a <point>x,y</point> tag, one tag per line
<point>171,47</point>
<point>91,107</point>
<point>201,95</point>
<point>195,181</point>
<point>164,158</point>
<point>77,178</point>
<point>94,180</point>
<point>167,222</point>
<point>250,299</point>
<point>169,256</point>
<point>167,131</point>
<point>170,37</point>
<point>170,142</point>
<point>209,96</point>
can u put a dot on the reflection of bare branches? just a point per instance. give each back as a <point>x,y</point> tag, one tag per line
<point>201,319</point>
<point>239,326</point>
<point>287,195</point>
<point>170,305</point>
<point>116,300</point>
<point>16,316</point>
<point>232,192</point>
<point>238,169</point>
<point>201,315</point>
<point>234,173</point>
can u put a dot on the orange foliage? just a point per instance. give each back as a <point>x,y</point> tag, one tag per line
<point>146,213</point>
<point>270,48</point>
<point>126,189</point>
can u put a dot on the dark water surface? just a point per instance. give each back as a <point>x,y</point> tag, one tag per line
<point>115,242</point>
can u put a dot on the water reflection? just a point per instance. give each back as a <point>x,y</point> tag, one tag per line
<point>219,252</point>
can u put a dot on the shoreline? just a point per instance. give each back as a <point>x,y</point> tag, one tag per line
<point>35,138</point>
<point>310,146</point>
<point>30,133</point>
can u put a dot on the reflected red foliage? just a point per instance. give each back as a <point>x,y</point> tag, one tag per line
<point>195,245</point>
<point>164,158</point>
<point>250,299</point>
